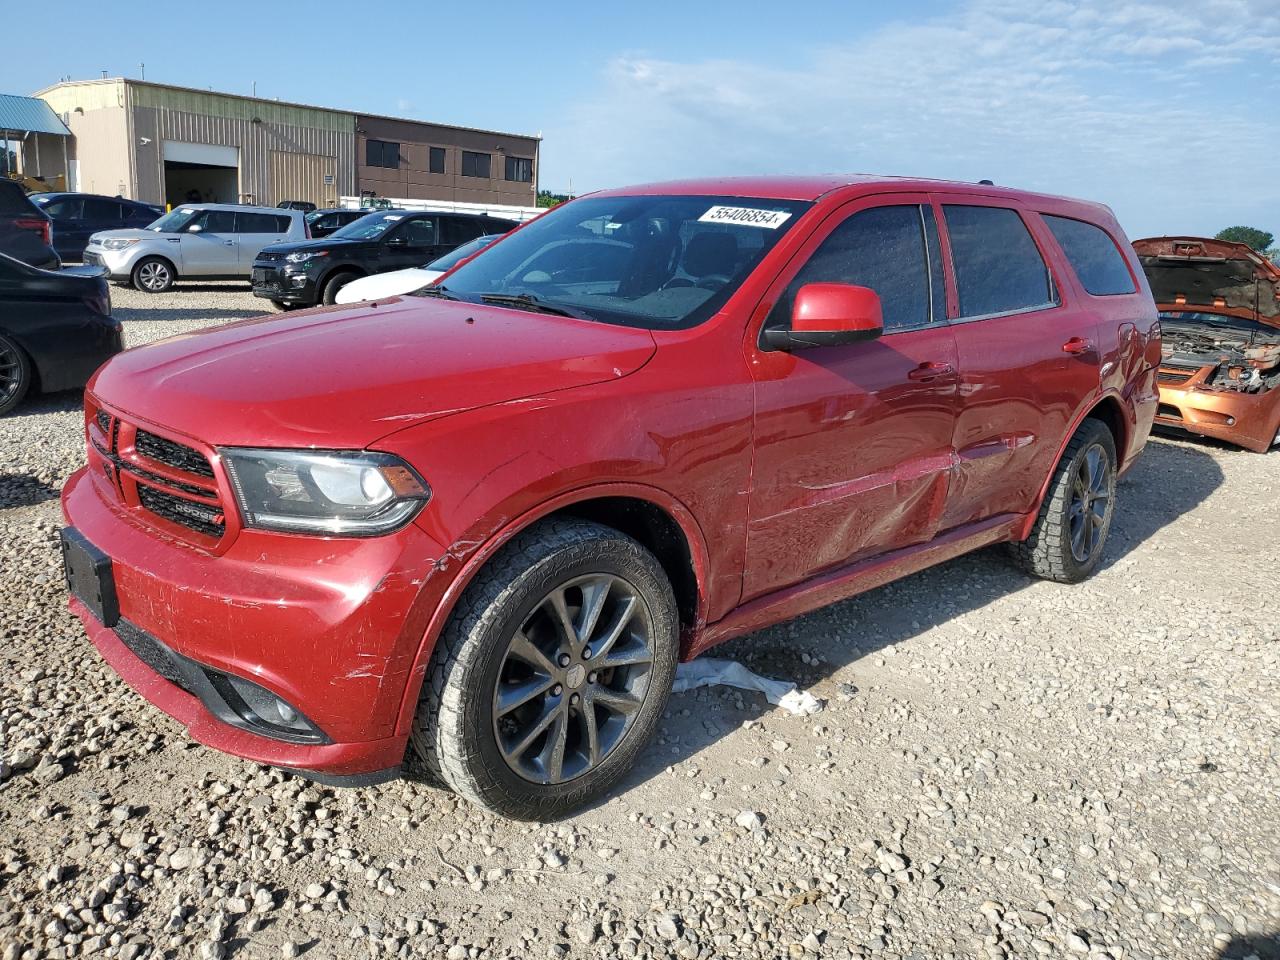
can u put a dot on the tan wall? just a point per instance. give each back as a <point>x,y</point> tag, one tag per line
<point>412,181</point>
<point>98,152</point>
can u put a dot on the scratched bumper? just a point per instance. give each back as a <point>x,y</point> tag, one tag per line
<point>332,626</point>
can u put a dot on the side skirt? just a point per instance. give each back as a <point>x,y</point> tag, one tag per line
<point>849,581</point>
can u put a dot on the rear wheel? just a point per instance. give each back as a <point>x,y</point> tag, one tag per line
<point>15,375</point>
<point>1071,529</point>
<point>336,283</point>
<point>552,674</point>
<point>153,275</point>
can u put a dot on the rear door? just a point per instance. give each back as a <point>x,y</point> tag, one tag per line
<point>69,229</point>
<point>1028,356</point>
<point>853,448</point>
<point>209,245</point>
<point>455,231</point>
<point>257,230</point>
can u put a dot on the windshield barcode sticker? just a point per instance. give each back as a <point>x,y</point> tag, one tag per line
<point>746,217</point>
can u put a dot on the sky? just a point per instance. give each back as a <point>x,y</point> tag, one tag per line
<point>1167,112</point>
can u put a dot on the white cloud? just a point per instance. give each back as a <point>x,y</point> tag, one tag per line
<point>1137,105</point>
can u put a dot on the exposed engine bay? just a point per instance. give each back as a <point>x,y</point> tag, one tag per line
<point>1244,354</point>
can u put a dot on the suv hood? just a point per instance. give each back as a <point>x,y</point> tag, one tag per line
<point>347,376</point>
<point>319,243</point>
<point>1189,273</point>
<point>129,233</point>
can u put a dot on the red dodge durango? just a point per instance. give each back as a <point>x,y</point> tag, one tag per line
<point>482,523</point>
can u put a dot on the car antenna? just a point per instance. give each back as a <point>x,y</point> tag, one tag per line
<point>987,183</point>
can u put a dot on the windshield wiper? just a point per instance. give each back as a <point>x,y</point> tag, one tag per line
<point>527,301</point>
<point>440,292</point>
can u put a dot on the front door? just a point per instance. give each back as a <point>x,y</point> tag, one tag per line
<point>853,443</point>
<point>413,243</point>
<point>1027,358</point>
<point>208,245</point>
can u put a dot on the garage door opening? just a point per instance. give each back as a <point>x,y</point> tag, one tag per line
<point>200,183</point>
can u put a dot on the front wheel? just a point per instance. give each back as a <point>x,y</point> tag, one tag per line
<point>153,275</point>
<point>335,283</point>
<point>1071,529</point>
<point>552,674</point>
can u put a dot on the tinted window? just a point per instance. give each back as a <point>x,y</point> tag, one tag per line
<point>455,256</point>
<point>216,221</point>
<point>62,208</point>
<point>12,199</point>
<point>261,223</point>
<point>96,208</point>
<point>498,226</point>
<point>381,153</point>
<point>436,160</point>
<point>475,164</point>
<point>460,229</point>
<point>998,267</point>
<point>417,233</point>
<point>520,169</point>
<point>1093,256</point>
<point>882,248</point>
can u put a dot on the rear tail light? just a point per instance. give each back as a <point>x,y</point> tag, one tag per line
<point>39,226</point>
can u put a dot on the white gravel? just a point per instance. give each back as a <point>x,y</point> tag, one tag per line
<point>1004,768</point>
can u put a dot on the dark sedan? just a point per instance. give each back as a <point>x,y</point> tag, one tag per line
<point>77,216</point>
<point>55,329</point>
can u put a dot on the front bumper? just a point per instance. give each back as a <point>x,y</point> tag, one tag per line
<point>1249,420</point>
<point>118,263</point>
<point>331,626</point>
<point>272,282</point>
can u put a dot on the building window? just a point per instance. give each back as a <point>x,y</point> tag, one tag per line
<point>475,164</point>
<point>436,160</point>
<point>382,153</point>
<point>520,169</point>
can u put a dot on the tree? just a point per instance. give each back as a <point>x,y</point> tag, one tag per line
<point>1257,239</point>
<point>548,199</point>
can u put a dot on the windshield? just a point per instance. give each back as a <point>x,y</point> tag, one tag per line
<point>455,256</point>
<point>368,227</point>
<point>174,220</point>
<point>660,262</point>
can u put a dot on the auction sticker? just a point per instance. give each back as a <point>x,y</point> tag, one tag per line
<point>746,217</point>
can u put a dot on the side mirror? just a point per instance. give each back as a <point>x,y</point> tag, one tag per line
<point>397,241</point>
<point>827,315</point>
<point>195,228</point>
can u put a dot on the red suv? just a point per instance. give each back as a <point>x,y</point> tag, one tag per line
<point>484,522</point>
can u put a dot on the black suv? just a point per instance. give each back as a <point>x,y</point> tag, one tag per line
<point>78,216</point>
<point>313,271</point>
<point>24,229</point>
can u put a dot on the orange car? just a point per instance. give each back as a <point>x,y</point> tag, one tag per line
<point>1220,312</point>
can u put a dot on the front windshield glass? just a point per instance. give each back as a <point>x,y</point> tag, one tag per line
<point>660,262</point>
<point>174,220</point>
<point>468,249</point>
<point>369,227</point>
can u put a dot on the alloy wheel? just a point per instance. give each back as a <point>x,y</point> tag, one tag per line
<point>573,679</point>
<point>10,372</point>
<point>1090,501</point>
<point>153,276</point>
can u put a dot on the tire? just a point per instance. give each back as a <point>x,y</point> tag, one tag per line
<point>15,374</point>
<point>153,275</point>
<point>335,283</point>
<point>1060,548</point>
<point>474,747</point>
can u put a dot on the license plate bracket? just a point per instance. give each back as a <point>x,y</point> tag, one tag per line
<point>90,577</point>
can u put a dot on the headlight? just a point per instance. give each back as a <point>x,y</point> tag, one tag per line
<point>359,493</point>
<point>117,243</point>
<point>302,256</point>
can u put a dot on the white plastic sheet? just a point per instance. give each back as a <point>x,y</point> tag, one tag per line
<point>710,672</point>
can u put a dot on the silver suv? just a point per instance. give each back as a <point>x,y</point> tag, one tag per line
<point>212,241</point>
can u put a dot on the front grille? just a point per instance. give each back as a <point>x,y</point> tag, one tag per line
<point>198,516</point>
<point>171,454</point>
<point>104,421</point>
<point>1168,411</point>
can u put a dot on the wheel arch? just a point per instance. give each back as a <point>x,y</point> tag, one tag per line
<point>660,522</point>
<point>1110,412</point>
<point>154,256</point>
<point>337,268</point>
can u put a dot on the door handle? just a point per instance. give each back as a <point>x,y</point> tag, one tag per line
<point>930,371</point>
<point>229,243</point>
<point>1077,345</point>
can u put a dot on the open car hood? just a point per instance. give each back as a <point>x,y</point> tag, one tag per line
<point>1214,276</point>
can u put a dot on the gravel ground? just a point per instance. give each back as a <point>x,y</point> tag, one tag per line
<point>1004,768</point>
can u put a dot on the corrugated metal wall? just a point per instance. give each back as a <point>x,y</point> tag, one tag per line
<point>302,176</point>
<point>256,128</point>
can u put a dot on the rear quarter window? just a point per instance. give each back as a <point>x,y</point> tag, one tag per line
<point>1093,255</point>
<point>998,266</point>
<point>13,201</point>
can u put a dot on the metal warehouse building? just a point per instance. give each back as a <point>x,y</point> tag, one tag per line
<point>165,144</point>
